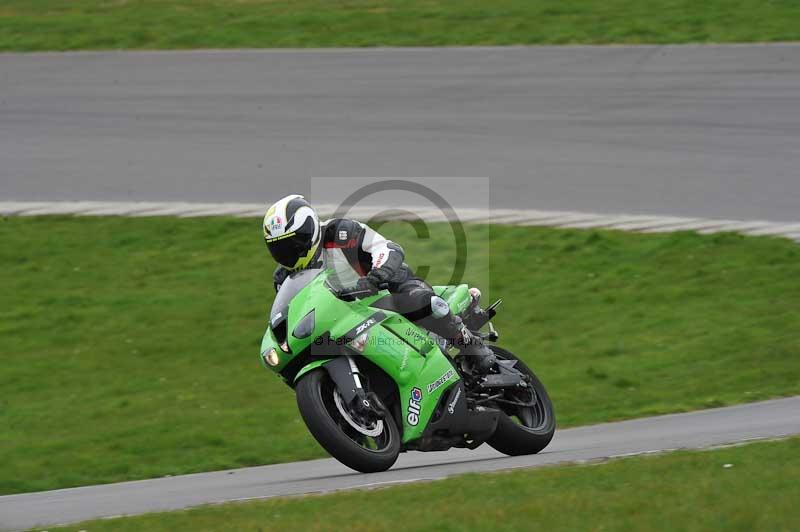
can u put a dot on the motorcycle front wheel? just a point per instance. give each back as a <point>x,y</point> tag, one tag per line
<point>367,447</point>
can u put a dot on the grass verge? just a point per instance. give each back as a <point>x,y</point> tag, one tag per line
<point>130,345</point>
<point>753,487</point>
<point>181,24</point>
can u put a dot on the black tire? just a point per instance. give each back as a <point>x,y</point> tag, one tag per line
<point>513,438</point>
<point>328,428</point>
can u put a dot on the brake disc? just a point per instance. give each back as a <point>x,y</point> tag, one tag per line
<point>366,431</point>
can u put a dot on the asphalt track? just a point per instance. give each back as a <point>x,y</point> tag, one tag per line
<point>698,131</point>
<point>769,419</point>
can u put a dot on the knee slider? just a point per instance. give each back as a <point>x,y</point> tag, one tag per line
<point>439,307</point>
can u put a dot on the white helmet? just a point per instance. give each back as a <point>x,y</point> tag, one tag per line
<point>292,232</point>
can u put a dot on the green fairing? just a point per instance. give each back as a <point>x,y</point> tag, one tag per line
<point>397,346</point>
<point>457,297</point>
<point>308,367</point>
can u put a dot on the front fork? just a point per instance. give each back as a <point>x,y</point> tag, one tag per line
<point>345,374</point>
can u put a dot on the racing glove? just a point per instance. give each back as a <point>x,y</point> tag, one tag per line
<point>367,284</point>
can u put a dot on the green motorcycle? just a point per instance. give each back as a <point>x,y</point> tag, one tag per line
<point>371,384</point>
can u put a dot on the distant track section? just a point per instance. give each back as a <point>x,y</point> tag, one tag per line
<point>696,130</point>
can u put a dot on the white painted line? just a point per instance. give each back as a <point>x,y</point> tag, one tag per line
<point>101,207</point>
<point>252,214</point>
<point>474,215</point>
<point>607,221</point>
<point>505,216</point>
<point>692,225</point>
<point>67,207</point>
<point>121,209</point>
<point>651,223</point>
<point>558,219</point>
<point>172,209</point>
<point>398,215</point>
<point>525,217</point>
<point>588,221</point>
<point>382,50</point>
<point>10,208</point>
<point>736,227</point>
<point>774,229</point>
<point>231,210</point>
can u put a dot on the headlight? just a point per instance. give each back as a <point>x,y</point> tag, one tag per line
<point>360,342</point>
<point>271,357</point>
<point>305,327</point>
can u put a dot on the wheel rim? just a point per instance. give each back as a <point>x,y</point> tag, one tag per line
<point>372,430</point>
<point>374,438</point>
<point>530,417</point>
<point>535,417</point>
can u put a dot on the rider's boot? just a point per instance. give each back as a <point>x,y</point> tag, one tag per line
<point>451,327</point>
<point>481,358</point>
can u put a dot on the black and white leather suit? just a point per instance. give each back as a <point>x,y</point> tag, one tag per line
<point>355,250</point>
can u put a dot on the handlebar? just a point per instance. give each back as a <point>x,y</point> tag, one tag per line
<point>352,294</point>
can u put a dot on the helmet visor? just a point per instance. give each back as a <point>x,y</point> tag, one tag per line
<point>287,249</point>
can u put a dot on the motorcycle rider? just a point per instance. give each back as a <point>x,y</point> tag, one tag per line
<point>363,258</point>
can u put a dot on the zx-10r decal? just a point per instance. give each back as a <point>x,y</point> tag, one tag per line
<point>363,326</point>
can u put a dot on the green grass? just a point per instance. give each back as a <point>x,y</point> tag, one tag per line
<point>688,491</point>
<point>130,345</point>
<point>180,24</point>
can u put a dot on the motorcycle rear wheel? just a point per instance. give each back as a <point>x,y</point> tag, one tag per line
<point>336,433</point>
<point>524,430</point>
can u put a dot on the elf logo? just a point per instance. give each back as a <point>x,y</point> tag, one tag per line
<point>414,407</point>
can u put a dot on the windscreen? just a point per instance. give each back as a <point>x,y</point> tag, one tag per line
<point>290,287</point>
